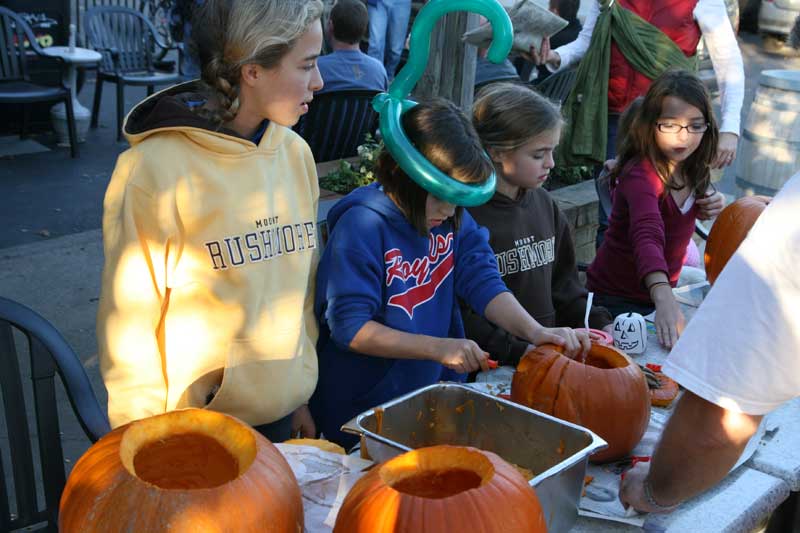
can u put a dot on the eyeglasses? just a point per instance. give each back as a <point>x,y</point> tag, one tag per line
<point>669,127</point>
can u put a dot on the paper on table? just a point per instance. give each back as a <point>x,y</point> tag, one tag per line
<point>325,478</point>
<point>598,501</point>
<point>531,24</point>
<point>693,294</point>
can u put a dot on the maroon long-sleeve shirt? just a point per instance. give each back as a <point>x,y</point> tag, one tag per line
<point>646,233</point>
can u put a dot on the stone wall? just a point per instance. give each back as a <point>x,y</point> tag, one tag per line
<point>579,204</point>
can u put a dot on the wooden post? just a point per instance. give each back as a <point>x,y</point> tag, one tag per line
<point>451,67</point>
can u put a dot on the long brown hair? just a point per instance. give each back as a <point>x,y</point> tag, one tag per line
<point>445,136</point>
<point>228,34</point>
<point>640,140</point>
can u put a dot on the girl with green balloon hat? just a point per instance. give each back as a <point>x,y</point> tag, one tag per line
<point>402,250</point>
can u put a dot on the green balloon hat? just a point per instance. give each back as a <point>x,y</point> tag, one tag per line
<point>391,106</point>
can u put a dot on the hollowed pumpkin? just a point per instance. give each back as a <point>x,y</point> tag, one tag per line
<point>188,470</point>
<point>438,489</point>
<point>607,393</point>
<point>729,230</point>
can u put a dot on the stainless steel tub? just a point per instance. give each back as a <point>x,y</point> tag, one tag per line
<point>556,451</point>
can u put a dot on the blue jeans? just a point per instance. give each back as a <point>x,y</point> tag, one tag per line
<point>388,26</point>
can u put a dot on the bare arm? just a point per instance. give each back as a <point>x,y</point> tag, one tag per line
<point>461,355</point>
<point>505,311</point>
<point>689,461</point>
<point>670,321</point>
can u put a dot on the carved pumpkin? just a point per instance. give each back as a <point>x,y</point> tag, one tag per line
<point>183,471</point>
<point>630,333</point>
<point>729,230</point>
<point>438,489</point>
<point>607,393</point>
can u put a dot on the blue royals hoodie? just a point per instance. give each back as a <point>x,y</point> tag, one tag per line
<point>376,266</point>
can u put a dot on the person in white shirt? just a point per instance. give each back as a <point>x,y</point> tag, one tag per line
<point>739,359</point>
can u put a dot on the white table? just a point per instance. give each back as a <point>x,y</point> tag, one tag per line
<point>779,451</point>
<point>78,57</point>
<point>745,499</point>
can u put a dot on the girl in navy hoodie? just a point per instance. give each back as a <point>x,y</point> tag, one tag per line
<point>388,281</point>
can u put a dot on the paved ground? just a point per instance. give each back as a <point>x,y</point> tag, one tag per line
<point>50,213</point>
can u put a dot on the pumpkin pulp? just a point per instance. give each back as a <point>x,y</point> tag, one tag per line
<point>603,359</point>
<point>185,461</point>
<point>438,483</point>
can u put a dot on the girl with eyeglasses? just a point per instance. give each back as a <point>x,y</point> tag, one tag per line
<point>663,169</point>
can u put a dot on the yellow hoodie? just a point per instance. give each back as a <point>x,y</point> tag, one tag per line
<point>210,259</point>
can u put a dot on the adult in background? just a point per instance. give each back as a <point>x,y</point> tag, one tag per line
<point>567,10</point>
<point>739,359</point>
<point>347,67</point>
<point>388,26</point>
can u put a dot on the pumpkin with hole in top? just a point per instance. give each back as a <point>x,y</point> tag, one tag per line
<point>605,392</point>
<point>440,489</point>
<point>183,471</point>
<point>729,230</point>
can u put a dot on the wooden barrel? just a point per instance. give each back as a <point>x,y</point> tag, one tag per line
<point>769,152</point>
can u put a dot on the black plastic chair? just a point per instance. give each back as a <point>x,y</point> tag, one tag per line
<point>49,353</point>
<point>15,84</point>
<point>557,86</point>
<point>126,39</point>
<point>337,123</point>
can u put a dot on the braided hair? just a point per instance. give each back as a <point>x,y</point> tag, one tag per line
<point>228,34</point>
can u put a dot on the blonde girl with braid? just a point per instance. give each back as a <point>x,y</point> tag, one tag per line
<point>210,230</point>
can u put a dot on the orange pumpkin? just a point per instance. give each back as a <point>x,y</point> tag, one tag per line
<point>438,489</point>
<point>607,393</point>
<point>183,471</point>
<point>666,391</point>
<point>729,230</point>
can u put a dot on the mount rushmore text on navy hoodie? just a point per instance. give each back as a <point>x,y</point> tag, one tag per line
<point>376,266</point>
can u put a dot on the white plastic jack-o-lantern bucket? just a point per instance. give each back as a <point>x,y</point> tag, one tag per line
<point>630,333</point>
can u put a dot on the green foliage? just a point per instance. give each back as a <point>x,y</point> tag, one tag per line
<point>351,176</point>
<point>564,176</point>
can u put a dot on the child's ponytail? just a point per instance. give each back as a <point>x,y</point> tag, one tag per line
<point>225,87</point>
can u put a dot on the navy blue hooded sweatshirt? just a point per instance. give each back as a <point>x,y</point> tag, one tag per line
<point>376,266</point>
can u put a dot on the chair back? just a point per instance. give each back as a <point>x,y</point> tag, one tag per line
<point>123,36</point>
<point>337,122</point>
<point>15,33</point>
<point>557,86</point>
<point>82,6</point>
<point>49,353</point>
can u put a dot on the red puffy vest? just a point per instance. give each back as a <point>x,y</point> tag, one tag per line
<point>676,20</point>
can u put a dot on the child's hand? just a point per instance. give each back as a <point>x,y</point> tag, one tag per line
<point>710,205</point>
<point>303,424</point>
<point>669,318</point>
<point>461,355</point>
<point>574,342</point>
